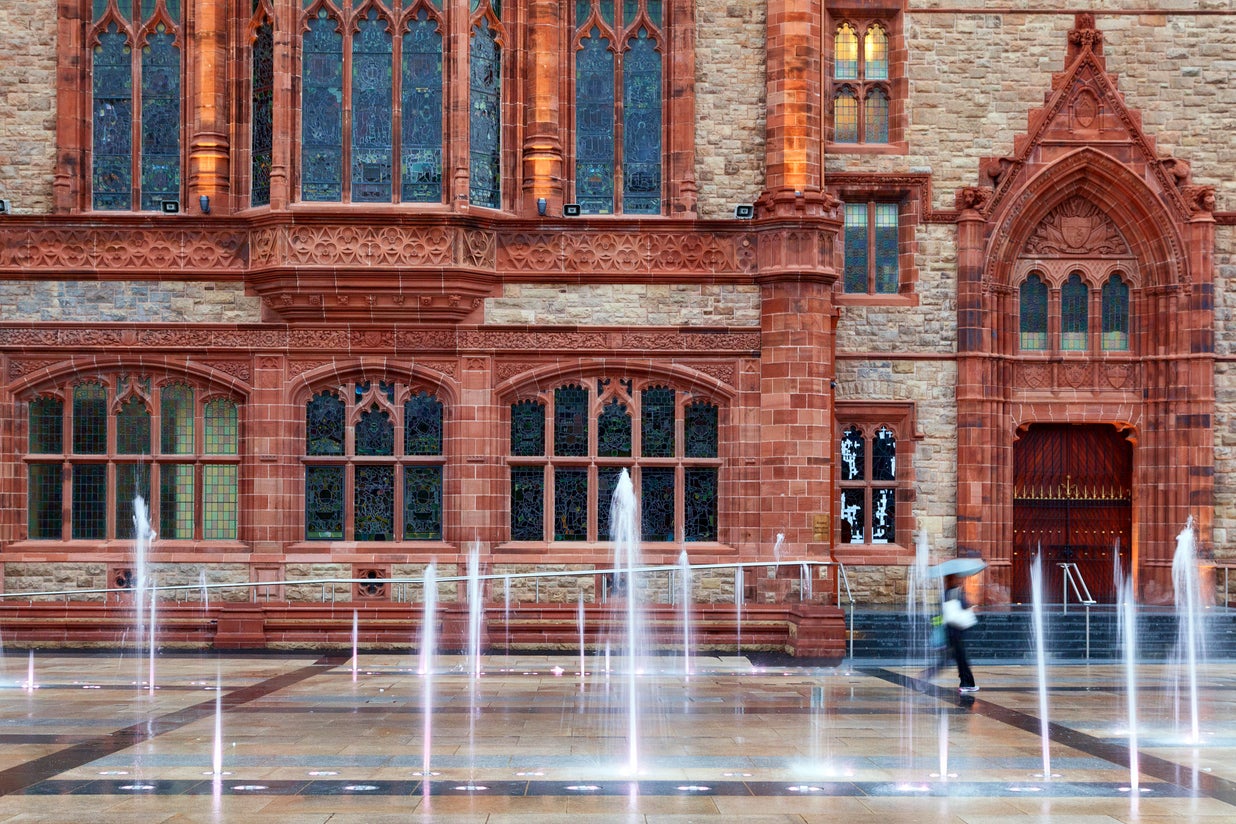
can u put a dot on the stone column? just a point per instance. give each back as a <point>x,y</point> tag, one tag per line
<point>542,150</point>
<point>72,107</point>
<point>209,146</point>
<point>285,122</point>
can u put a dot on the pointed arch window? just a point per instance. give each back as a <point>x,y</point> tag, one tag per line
<point>382,63</point>
<point>1115,314</point>
<point>1033,314</point>
<point>188,473</point>
<point>261,102</point>
<point>619,75</point>
<point>569,445</point>
<point>861,81</point>
<point>868,485</point>
<point>485,105</point>
<point>1074,314</point>
<point>374,463</point>
<point>136,71</point>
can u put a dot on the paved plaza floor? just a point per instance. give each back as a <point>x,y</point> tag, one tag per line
<point>304,739</point>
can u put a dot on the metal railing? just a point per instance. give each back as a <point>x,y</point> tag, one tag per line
<point>1072,577</point>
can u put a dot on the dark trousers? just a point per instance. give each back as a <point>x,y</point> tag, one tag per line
<point>955,650</point>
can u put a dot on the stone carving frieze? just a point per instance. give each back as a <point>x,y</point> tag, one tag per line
<point>20,367</point>
<point>1074,228</point>
<point>442,367</point>
<point>237,369</point>
<point>365,246</point>
<point>627,252</point>
<point>122,249</point>
<point>300,367</point>
<point>508,369</point>
<point>721,370</point>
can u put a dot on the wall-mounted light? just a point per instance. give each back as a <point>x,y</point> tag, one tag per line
<point>204,202</point>
<point>6,207</point>
<point>571,210</point>
<point>744,211</point>
<point>171,207</point>
<point>541,205</point>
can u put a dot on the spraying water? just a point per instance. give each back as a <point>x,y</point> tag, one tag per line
<point>579,614</point>
<point>1128,632</point>
<point>143,535</point>
<point>154,603</point>
<point>1040,658</point>
<point>216,763</point>
<point>684,593</point>
<point>355,641</point>
<point>1187,585</point>
<point>30,686</point>
<point>624,524</point>
<point>425,668</point>
<point>476,610</point>
<point>772,570</point>
<point>738,585</point>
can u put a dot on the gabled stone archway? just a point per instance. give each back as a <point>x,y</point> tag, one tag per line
<point>1085,192</point>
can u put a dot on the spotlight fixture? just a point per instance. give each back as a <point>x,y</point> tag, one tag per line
<point>571,210</point>
<point>541,205</point>
<point>204,203</point>
<point>171,207</point>
<point>744,211</point>
<point>6,207</point>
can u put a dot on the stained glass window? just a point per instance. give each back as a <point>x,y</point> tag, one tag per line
<point>485,117</point>
<point>679,488</point>
<point>868,475</point>
<point>112,424</point>
<point>616,92</point>
<point>321,153</point>
<point>872,248</point>
<point>1033,312</point>
<point>220,502</point>
<point>421,157</point>
<point>860,83</point>
<point>386,482</point>
<point>135,152</point>
<point>1115,314</point>
<point>1074,314</point>
<point>262,100</point>
<point>222,427</point>
<point>372,92</point>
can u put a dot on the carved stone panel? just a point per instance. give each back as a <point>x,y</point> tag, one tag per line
<point>1076,228</point>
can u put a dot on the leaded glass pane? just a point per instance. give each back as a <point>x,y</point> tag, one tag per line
<point>222,427</point>
<point>875,117</point>
<point>374,503</point>
<point>47,426</point>
<point>44,502</point>
<point>422,503</point>
<point>614,431</point>
<point>324,425</point>
<point>422,111</point>
<point>630,8</point>
<point>656,422</point>
<point>656,502</point>
<point>1115,314</point>
<point>655,12</point>
<point>133,428</point>
<point>422,425</point>
<point>887,248</point>
<point>528,428</point>
<point>845,116</point>
<point>323,503</point>
<point>262,125</point>
<point>883,455</point>
<point>173,9</point>
<point>699,519</point>
<point>583,8</point>
<point>641,135</point>
<point>570,504</point>
<point>375,433</point>
<point>177,426</point>
<point>571,421</point>
<point>853,516</point>
<point>856,248</point>
<point>883,516</point>
<point>607,11</point>
<point>160,120</point>
<point>607,482</point>
<point>845,53</point>
<point>321,154</point>
<point>527,503</point>
<point>90,419</point>
<point>1074,314</point>
<point>875,54</point>
<point>100,6</point>
<point>176,504</point>
<point>700,430</point>
<point>594,125</point>
<point>132,480</point>
<point>89,501</point>
<point>112,122</point>
<point>853,459</point>
<point>1033,312</point>
<point>372,93</point>
<point>220,502</point>
<point>485,119</point>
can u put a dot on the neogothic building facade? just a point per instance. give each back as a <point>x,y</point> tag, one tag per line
<point>346,287</point>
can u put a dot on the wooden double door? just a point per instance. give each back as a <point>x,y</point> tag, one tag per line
<point>1072,501</point>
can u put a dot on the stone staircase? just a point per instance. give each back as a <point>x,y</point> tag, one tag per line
<point>1008,636</point>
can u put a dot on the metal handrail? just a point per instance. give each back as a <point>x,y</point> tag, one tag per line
<point>1072,576</point>
<point>844,579</point>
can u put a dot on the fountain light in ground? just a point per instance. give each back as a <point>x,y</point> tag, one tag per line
<point>1187,585</point>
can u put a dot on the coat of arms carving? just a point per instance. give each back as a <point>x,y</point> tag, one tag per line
<point>1076,227</point>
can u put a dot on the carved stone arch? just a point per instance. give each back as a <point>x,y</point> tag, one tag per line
<point>1143,221</point>
<point>533,382</point>
<point>199,374</point>
<point>302,387</point>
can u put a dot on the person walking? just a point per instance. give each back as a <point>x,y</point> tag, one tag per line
<point>958,617</point>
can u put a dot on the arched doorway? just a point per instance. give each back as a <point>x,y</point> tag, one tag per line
<point>1071,500</point>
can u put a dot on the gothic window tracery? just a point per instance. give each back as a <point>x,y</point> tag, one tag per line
<point>135,75</point>
<point>868,484</point>
<point>1033,314</point>
<point>861,81</point>
<point>1074,314</point>
<point>569,445</point>
<point>1115,320</point>
<point>173,443</point>
<point>872,248</point>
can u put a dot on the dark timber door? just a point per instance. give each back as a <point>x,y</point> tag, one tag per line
<point>1071,498</point>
